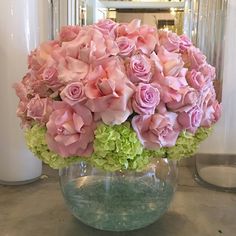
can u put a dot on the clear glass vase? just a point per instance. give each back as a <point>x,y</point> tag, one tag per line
<point>119,201</point>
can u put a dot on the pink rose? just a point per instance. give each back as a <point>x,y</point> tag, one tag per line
<point>144,36</point>
<point>170,88</point>
<point>156,131</point>
<point>169,40</point>
<point>211,114</point>
<point>38,58</point>
<point>50,77</point>
<point>195,79</point>
<point>146,39</point>
<point>172,62</point>
<point>91,45</point>
<point>190,119</point>
<point>194,58</point>
<point>189,98</point>
<point>70,130</point>
<point>34,85</point>
<point>126,46</point>
<point>21,112</point>
<point>68,33</point>
<point>207,96</point>
<point>39,109</point>
<point>145,99</point>
<point>73,93</point>
<point>131,29</point>
<point>109,94</point>
<point>208,71</point>
<point>140,69</point>
<point>185,43</point>
<point>21,91</point>
<point>107,27</point>
<point>71,69</point>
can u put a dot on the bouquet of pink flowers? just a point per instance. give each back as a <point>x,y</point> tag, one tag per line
<point>116,95</point>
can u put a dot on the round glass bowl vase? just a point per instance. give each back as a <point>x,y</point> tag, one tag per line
<point>122,200</point>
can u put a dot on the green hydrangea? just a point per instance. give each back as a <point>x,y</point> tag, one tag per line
<point>115,148</point>
<point>36,142</point>
<point>187,144</point>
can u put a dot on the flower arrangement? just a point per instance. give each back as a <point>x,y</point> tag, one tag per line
<point>116,95</point>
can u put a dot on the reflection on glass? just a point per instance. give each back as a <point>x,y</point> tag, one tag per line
<point>169,19</point>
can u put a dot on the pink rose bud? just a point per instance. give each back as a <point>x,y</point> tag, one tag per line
<point>146,99</point>
<point>140,69</point>
<point>126,46</point>
<point>73,93</point>
<point>195,79</point>
<point>169,40</point>
<point>191,119</point>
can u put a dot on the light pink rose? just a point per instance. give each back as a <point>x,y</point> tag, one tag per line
<point>68,33</point>
<point>193,58</point>
<point>146,40</point>
<point>145,37</point>
<point>90,45</point>
<point>21,91</point>
<point>131,29</point>
<point>145,99</point>
<point>208,71</point>
<point>172,62</point>
<point>50,78</point>
<point>169,40</point>
<point>185,43</point>
<point>191,119</point>
<point>107,27</point>
<point>170,88</point>
<point>195,79</point>
<point>21,112</point>
<point>189,97</point>
<point>126,46</point>
<point>156,131</point>
<point>140,69</point>
<point>109,94</point>
<point>70,130</point>
<point>207,96</point>
<point>161,108</point>
<point>34,85</point>
<point>73,93</point>
<point>72,69</point>
<point>39,109</point>
<point>38,58</point>
<point>211,114</point>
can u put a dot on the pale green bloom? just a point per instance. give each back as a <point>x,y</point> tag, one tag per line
<point>187,144</point>
<point>115,148</point>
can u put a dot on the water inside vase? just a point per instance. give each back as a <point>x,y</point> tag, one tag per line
<point>117,204</point>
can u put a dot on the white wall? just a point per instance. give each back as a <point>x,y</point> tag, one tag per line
<point>223,139</point>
